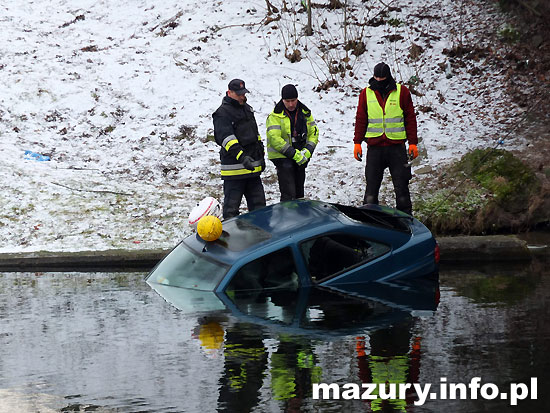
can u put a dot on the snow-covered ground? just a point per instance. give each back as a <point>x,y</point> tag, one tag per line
<point>119,94</point>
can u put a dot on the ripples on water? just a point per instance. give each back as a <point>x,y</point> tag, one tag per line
<point>109,343</point>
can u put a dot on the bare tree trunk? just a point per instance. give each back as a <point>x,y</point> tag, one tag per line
<point>309,28</point>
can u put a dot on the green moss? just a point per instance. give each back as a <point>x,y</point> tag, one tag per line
<point>487,191</point>
<point>509,180</point>
<point>509,34</point>
<point>449,204</point>
<point>395,22</point>
<point>451,211</point>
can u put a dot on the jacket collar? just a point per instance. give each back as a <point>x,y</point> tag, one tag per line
<point>230,101</point>
<point>280,107</point>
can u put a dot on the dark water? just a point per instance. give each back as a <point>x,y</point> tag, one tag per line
<point>109,343</point>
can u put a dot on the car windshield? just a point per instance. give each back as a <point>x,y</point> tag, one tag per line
<point>185,268</point>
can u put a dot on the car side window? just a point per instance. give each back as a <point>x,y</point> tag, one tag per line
<point>276,270</point>
<point>330,254</point>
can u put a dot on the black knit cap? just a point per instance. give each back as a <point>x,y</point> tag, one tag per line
<point>289,92</point>
<point>382,70</point>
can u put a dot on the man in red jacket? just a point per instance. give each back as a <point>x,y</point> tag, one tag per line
<point>386,119</point>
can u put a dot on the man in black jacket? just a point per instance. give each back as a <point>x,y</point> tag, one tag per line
<point>241,153</point>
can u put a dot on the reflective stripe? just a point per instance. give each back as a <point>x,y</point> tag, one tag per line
<point>228,139</point>
<point>312,144</point>
<point>229,142</point>
<point>235,172</point>
<point>239,155</point>
<point>377,120</point>
<point>285,148</point>
<point>236,166</point>
<point>312,123</point>
<point>379,130</point>
<point>395,120</point>
<point>273,127</point>
<point>401,129</point>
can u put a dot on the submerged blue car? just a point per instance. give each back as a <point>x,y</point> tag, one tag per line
<point>302,243</point>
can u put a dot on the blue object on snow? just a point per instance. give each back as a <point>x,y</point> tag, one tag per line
<point>36,156</point>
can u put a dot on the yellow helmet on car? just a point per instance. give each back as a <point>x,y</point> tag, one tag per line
<point>209,228</point>
<point>208,206</point>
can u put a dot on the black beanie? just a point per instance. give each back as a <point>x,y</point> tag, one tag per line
<point>289,92</point>
<point>382,70</point>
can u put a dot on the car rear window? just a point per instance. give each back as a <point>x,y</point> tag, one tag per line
<point>240,234</point>
<point>187,269</point>
<point>376,218</point>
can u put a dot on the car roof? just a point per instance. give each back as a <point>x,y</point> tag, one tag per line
<point>248,232</point>
<point>285,218</point>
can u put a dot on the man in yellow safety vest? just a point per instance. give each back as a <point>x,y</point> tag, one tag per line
<point>292,136</point>
<point>386,119</point>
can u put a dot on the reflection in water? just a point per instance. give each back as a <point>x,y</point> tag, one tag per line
<point>394,358</point>
<point>245,365</point>
<point>107,342</point>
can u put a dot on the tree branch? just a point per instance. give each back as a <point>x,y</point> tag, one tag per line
<point>91,190</point>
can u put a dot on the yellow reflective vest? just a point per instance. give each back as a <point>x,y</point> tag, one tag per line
<point>279,139</point>
<point>390,120</point>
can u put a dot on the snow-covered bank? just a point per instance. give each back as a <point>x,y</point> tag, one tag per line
<point>120,94</point>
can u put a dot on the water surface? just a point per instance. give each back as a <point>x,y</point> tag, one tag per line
<point>109,343</point>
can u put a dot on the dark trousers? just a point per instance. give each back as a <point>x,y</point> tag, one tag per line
<point>394,157</point>
<point>291,178</point>
<point>233,191</point>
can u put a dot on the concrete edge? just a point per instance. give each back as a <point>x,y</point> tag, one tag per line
<point>82,260</point>
<point>460,249</point>
<point>483,248</point>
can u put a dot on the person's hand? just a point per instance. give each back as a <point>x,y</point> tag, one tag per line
<point>358,152</point>
<point>299,158</point>
<point>413,151</point>
<point>247,162</point>
<point>306,153</point>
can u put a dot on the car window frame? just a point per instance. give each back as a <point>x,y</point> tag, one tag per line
<point>338,273</point>
<point>256,256</point>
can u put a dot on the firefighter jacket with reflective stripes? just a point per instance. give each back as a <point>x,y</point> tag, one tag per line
<point>363,115</point>
<point>236,131</point>
<point>280,142</point>
<point>388,120</point>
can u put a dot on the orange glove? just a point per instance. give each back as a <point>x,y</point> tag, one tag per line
<point>358,152</point>
<point>413,151</point>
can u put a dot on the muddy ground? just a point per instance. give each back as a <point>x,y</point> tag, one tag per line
<point>522,54</point>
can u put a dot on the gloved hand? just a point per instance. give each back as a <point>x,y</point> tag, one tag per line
<point>299,158</point>
<point>247,162</point>
<point>413,151</point>
<point>358,152</point>
<point>306,153</point>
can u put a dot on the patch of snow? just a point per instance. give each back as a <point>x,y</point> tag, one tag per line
<point>120,94</point>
